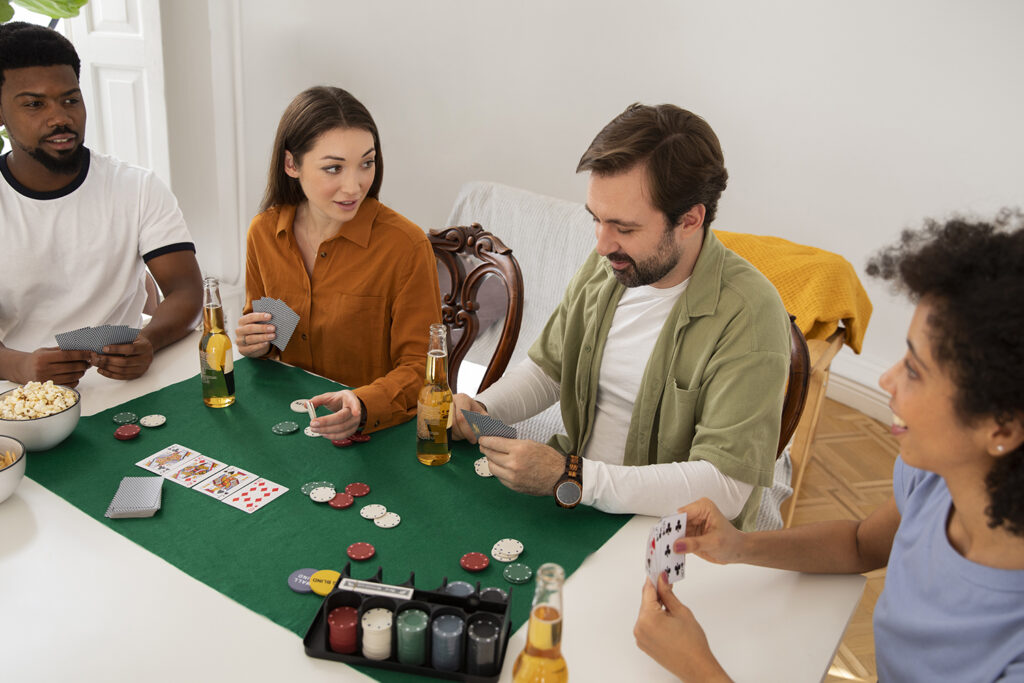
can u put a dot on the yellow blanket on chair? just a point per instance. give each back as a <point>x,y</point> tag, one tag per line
<point>818,287</point>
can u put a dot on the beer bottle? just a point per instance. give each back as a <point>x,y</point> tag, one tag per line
<point>216,366</point>
<point>434,407</point>
<point>541,660</point>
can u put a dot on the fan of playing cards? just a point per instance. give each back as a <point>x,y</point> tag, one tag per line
<point>95,338</point>
<point>281,316</point>
<point>660,556</point>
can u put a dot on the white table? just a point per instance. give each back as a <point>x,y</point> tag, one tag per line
<point>80,602</point>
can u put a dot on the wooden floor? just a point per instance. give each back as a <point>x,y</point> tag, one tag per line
<point>850,474</point>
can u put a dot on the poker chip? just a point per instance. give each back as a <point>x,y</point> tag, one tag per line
<point>482,467</point>
<point>376,623</point>
<point>299,405</point>
<point>286,427</point>
<point>127,432</point>
<point>359,437</point>
<point>517,572</point>
<point>388,521</point>
<point>341,501</point>
<point>343,624</point>
<point>126,418</point>
<point>308,487</point>
<point>372,511</point>
<point>357,489</point>
<point>494,594</point>
<point>153,421</point>
<point>322,494</point>
<point>309,431</point>
<point>507,550</point>
<point>460,589</point>
<point>341,443</point>
<point>361,551</point>
<point>323,581</point>
<point>298,580</point>
<point>474,562</point>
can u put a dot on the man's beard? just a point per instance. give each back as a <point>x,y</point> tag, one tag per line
<point>66,164</point>
<point>652,269</point>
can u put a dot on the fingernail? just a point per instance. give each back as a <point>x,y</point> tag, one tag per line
<point>680,546</point>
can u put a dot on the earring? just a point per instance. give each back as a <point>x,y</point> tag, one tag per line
<point>1000,448</point>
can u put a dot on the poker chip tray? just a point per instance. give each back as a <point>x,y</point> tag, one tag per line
<point>435,602</point>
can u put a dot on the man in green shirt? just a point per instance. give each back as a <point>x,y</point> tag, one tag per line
<point>669,353</point>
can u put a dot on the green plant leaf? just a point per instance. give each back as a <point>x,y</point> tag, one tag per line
<point>6,11</point>
<point>56,9</point>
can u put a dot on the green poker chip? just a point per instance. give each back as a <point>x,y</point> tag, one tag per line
<point>286,427</point>
<point>310,485</point>
<point>517,572</point>
<point>126,418</point>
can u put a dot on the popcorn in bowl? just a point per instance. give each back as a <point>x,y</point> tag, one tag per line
<point>35,400</point>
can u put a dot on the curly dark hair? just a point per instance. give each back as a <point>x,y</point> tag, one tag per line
<point>972,274</point>
<point>23,45</point>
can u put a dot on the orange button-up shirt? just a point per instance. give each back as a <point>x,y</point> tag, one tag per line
<point>366,310</point>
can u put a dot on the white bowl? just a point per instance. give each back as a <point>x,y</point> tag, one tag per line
<point>11,476</point>
<point>43,433</point>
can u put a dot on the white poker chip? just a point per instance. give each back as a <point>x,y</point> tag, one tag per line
<point>504,558</point>
<point>153,421</point>
<point>482,467</point>
<point>372,511</point>
<point>309,431</point>
<point>507,550</point>
<point>299,405</point>
<point>322,494</point>
<point>376,619</point>
<point>388,521</point>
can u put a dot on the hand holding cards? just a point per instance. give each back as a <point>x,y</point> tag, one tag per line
<point>95,338</point>
<point>281,316</point>
<point>485,425</point>
<point>660,556</point>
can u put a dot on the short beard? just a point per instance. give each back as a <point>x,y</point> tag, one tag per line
<point>653,269</point>
<point>68,164</point>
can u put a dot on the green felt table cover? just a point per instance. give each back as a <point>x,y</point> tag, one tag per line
<point>446,511</point>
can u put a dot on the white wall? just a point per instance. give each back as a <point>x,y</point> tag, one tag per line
<point>841,123</point>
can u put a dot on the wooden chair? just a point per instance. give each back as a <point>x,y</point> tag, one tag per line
<point>821,354</point>
<point>462,246</point>
<point>796,386</point>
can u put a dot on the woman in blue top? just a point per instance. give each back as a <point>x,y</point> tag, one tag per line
<point>952,535</point>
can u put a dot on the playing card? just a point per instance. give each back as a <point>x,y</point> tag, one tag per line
<point>136,497</point>
<point>224,482</point>
<point>168,459</point>
<point>659,555</point>
<point>194,470</point>
<point>485,425</point>
<point>281,316</point>
<point>254,496</point>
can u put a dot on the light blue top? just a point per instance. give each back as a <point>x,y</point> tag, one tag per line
<point>942,617</point>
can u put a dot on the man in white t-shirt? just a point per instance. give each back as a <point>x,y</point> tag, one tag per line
<point>669,353</point>
<point>79,229</point>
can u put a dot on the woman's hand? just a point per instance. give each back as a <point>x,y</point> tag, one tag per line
<point>347,409</point>
<point>668,632</point>
<point>253,335</point>
<point>709,535</point>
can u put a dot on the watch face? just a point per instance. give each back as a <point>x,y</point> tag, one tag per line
<point>569,492</point>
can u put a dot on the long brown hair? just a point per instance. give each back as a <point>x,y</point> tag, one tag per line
<point>312,113</point>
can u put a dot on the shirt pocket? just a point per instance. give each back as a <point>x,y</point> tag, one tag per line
<point>676,422</point>
<point>361,332</point>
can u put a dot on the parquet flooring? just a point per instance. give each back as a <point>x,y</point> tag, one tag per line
<point>849,475</point>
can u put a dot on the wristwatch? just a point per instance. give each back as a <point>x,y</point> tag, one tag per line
<point>569,489</point>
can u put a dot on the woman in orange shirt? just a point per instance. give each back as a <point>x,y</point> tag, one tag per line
<point>362,277</point>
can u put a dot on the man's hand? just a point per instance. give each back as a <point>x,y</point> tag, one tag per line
<point>253,334</point>
<point>668,632</point>
<point>461,428</point>
<point>347,411</point>
<point>709,535</point>
<point>63,367</point>
<point>524,466</point>
<point>124,361</point>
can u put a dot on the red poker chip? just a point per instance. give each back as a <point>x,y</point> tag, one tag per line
<point>357,489</point>
<point>359,437</point>
<point>341,443</point>
<point>474,562</point>
<point>361,551</point>
<point>341,501</point>
<point>127,432</point>
<point>343,617</point>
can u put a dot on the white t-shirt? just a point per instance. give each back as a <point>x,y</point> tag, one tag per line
<point>76,257</point>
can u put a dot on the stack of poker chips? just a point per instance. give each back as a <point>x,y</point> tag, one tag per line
<point>507,550</point>
<point>412,637</point>
<point>376,624</point>
<point>446,647</point>
<point>482,648</point>
<point>342,622</point>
